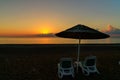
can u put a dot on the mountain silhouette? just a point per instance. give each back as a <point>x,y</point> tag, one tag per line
<point>31,35</point>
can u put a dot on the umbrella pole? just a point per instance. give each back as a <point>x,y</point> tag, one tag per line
<point>78,56</point>
<point>78,51</point>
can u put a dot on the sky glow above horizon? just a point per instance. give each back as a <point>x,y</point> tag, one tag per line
<point>35,16</point>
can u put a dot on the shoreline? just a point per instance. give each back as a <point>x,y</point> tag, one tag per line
<point>113,44</point>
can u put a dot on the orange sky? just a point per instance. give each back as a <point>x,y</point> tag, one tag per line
<point>19,17</point>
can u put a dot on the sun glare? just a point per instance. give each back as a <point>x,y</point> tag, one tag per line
<point>44,31</point>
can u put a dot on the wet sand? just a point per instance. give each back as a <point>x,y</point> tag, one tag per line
<point>39,62</point>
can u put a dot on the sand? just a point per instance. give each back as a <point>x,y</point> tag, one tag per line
<point>39,62</point>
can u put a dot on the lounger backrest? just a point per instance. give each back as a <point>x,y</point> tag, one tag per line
<point>66,63</point>
<point>90,61</point>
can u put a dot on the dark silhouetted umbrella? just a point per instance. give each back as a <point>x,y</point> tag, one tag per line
<point>81,32</point>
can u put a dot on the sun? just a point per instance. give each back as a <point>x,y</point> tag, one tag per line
<point>44,31</point>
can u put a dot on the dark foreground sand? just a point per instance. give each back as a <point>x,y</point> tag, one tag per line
<point>39,62</point>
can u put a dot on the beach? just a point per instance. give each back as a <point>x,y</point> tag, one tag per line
<point>39,61</point>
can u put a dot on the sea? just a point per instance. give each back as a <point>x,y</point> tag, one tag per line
<point>57,40</point>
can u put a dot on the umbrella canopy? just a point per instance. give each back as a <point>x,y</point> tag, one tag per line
<point>82,32</point>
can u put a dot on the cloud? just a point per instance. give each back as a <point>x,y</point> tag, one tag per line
<point>110,28</point>
<point>112,31</point>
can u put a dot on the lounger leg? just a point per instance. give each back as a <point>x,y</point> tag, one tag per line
<point>73,75</point>
<point>60,75</point>
<point>85,72</point>
<point>98,72</point>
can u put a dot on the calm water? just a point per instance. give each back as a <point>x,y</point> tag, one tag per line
<point>46,40</point>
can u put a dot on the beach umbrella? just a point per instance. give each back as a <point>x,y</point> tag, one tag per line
<point>81,32</point>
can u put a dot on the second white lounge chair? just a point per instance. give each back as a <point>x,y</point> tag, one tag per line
<point>89,65</point>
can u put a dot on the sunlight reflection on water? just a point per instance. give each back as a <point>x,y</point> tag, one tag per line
<point>51,40</point>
